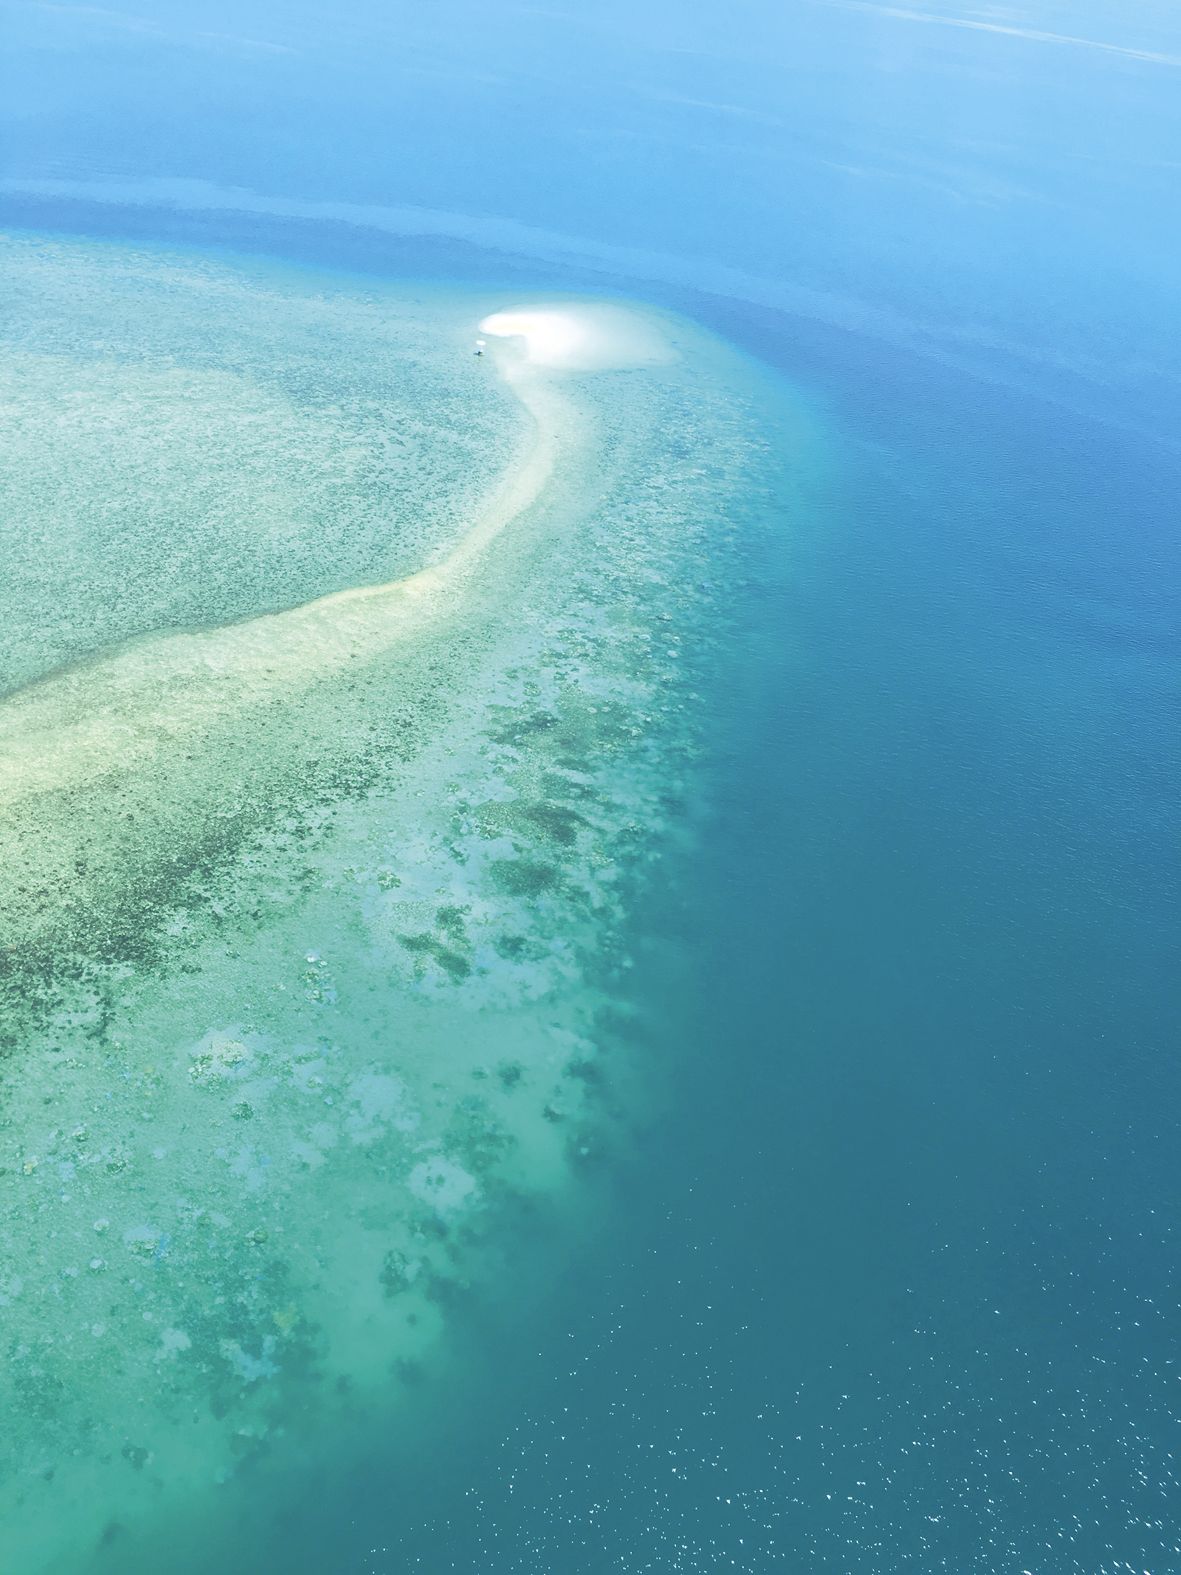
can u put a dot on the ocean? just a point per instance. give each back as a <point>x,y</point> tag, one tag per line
<point>877,1269</point>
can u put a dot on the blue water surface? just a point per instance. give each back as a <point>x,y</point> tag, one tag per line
<point>891,1281</point>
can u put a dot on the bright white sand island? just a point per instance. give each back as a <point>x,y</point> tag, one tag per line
<point>582,336</point>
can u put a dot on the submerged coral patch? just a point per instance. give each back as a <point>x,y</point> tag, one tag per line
<point>314,917</point>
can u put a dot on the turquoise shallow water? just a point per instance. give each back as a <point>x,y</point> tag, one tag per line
<point>319,923</point>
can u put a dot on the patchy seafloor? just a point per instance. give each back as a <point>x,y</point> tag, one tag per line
<point>349,699</point>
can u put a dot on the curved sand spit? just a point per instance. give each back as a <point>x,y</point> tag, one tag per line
<point>73,727</point>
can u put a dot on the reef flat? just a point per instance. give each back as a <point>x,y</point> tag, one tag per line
<point>351,700</point>
<point>188,444</point>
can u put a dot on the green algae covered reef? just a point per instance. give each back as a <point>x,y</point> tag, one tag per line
<point>348,700</point>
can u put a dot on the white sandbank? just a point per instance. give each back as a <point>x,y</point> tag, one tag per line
<point>581,337</point>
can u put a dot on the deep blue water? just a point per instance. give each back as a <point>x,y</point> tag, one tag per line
<point>892,1282</point>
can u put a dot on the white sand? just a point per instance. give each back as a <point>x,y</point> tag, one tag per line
<point>582,337</point>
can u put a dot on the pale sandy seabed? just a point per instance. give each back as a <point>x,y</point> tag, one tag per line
<point>348,700</point>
